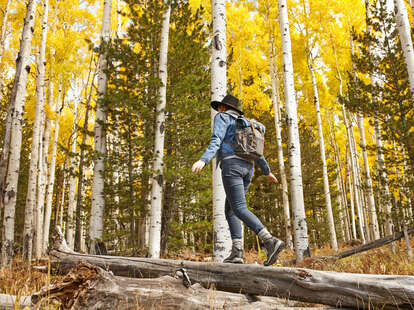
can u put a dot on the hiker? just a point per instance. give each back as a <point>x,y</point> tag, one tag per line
<point>237,174</point>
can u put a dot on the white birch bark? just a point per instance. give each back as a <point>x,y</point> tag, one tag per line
<point>355,180</point>
<point>3,38</point>
<point>278,125</point>
<point>298,207</point>
<point>353,184</point>
<point>40,82</point>
<point>70,225</point>
<point>38,205</point>
<point>373,223</point>
<point>98,198</point>
<point>222,240</point>
<point>17,102</point>
<point>52,167</point>
<point>158,175</point>
<point>31,198</point>
<point>62,200</point>
<point>46,170</point>
<point>404,30</point>
<point>327,194</point>
<point>341,196</point>
<point>338,158</point>
<point>3,31</point>
<point>351,199</point>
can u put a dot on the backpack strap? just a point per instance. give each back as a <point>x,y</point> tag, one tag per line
<point>235,115</point>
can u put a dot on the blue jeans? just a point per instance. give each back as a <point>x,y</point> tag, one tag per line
<point>237,175</point>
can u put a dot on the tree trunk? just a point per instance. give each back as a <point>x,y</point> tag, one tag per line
<point>356,177</point>
<point>333,288</point>
<point>70,225</point>
<point>278,126</point>
<point>98,195</point>
<point>373,223</point>
<point>341,196</point>
<point>3,29</point>
<point>78,233</point>
<point>52,168</point>
<point>404,30</point>
<point>158,166</point>
<point>327,194</point>
<point>31,198</point>
<point>17,101</point>
<point>46,168</point>
<point>342,182</point>
<point>3,38</point>
<point>221,233</point>
<point>296,186</point>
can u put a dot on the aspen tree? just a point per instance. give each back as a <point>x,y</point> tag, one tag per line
<point>222,240</point>
<point>343,182</point>
<point>298,207</point>
<point>373,223</point>
<point>51,179</point>
<point>33,171</point>
<point>157,182</point>
<point>374,228</point>
<point>17,101</point>
<point>31,198</point>
<point>3,36</point>
<point>327,194</point>
<point>278,125</point>
<point>38,218</point>
<point>70,225</point>
<point>385,196</point>
<point>46,167</point>
<point>98,198</point>
<point>275,97</point>
<point>351,199</point>
<point>404,31</point>
<point>341,196</point>
<point>88,97</point>
<point>356,182</point>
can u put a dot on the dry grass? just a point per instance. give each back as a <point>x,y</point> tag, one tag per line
<point>21,279</point>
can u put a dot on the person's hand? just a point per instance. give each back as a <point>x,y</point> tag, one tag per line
<point>271,177</point>
<point>198,165</point>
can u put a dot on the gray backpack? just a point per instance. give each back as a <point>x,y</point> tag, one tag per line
<point>248,137</point>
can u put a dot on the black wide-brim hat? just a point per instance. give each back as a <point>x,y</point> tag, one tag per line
<point>230,101</point>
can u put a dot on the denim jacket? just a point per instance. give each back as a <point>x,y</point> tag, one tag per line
<point>223,131</point>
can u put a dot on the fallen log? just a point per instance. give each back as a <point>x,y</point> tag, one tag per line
<point>368,246</point>
<point>90,287</point>
<point>360,291</point>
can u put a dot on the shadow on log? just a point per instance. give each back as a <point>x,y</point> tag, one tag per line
<point>360,291</point>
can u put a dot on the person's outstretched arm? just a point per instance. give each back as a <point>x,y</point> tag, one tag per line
<point>219,131</point>
<point>264,166</point>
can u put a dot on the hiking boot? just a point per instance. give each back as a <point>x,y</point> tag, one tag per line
<point>236,256</point>
<point>273,246</point>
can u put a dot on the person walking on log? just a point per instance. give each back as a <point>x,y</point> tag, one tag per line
<point>237,174</point>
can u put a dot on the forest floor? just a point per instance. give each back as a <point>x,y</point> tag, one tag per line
<point>24,281</point>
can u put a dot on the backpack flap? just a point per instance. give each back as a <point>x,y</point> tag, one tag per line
<point>249,138</point>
